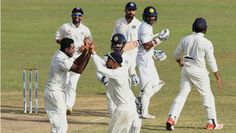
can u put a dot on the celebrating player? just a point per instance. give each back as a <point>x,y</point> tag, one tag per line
<point>197,51</point>
<point>78,32</point>
<point>117,44</point>
<point>54,93</point>
<point>120,92</point>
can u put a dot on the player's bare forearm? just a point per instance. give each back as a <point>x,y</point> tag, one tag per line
<point>218,79</point>
<point>81,62</point>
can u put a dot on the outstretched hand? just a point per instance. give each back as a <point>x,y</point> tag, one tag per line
<point>87,42</point>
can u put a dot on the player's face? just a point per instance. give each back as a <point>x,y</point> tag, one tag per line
<point>130,13</point>
<point>151,20</point>
<point>76,18</point>
<point>70,51</point>
<point>118,47</point>
<point>110,63</point>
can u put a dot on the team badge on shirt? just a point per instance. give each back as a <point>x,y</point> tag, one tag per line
<point>82,33</point>
<point>133,26</point>
<point>68,32</point>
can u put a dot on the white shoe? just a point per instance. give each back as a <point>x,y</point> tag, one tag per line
<point>148,116</point>
<point>219,126</point>
<point>212,126</point>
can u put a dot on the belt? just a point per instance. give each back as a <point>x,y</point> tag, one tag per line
<point>187,57</point>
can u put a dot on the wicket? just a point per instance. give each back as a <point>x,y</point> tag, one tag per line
<point>30,70</point>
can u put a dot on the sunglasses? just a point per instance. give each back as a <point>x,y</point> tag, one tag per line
<point>77,14</point>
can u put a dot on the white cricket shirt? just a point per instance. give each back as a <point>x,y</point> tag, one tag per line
<point>60,65</point>
<point>197,51</point>
<point>145,34</point>
<point>129,30</point>
<point>78,34</point>
<point>118,84</point>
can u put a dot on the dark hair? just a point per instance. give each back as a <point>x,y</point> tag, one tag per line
<point>66,43</point>
<point>199,25</point>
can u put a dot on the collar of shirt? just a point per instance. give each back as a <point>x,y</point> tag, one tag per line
<point>130,21</point>
<point>147,24</point>
<point>62,54</point>
<point>199,33</point>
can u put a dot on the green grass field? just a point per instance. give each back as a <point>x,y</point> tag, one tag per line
<point>27,40</point>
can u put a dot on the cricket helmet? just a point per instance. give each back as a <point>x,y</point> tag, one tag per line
<point>118,41</point>
<point>149,11</point>
<point>199,25</point>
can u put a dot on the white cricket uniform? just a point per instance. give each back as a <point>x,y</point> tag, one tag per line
<point>149,78</point>
<point>130,31</point>
<point>54,94</point>
<point>78,34</point>
<point>110,103</point>
<point>197,51</point>
<point>121,94</point>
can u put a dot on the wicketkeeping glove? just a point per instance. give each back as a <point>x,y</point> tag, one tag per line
<point>134,79</point>
<point>159,55</point>
<point>105,80</point>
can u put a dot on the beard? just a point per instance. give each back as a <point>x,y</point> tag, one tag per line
<point>76,20</point>
<point>130,16</point>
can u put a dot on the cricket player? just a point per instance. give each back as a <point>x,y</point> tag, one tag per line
<point>77,31</point>
<point>128,26</point>
<point>118,41</point>
<point>149,78</point>
<point>54,93</point>
<point>120,92</point>
<point>117,44</point>
<point>197,51</point>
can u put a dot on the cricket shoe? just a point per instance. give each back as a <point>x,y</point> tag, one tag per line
<point>148,116</point>
<point>170,124</point>
<point>69,112</point>
<point>213,126</point>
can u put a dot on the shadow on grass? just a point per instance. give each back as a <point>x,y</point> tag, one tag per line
<point>76,112</point>
<point>163,127</point>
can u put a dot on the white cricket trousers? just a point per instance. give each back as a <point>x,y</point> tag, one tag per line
<point>70,90</point>
<point>149,83</point>
<point>197,77</point>
<point>122,119</point>
<point>55,107</point>
<point>132,54</point>
<point>110,104</point>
